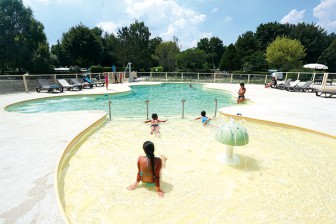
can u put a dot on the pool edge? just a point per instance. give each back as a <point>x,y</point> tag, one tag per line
<point>278,124</point>
<point>76,141</point>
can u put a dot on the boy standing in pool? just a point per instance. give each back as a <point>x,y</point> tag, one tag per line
<point>155,124</point>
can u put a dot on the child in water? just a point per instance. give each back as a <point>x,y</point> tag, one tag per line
<point>155,124</point>
<point>149,168</point>
<point>205,119</point>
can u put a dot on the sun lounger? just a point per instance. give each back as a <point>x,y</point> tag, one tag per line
<point>326,92</point>
<point>85,84</point>
<point>68,86</point>
<point>290,85</point>
<point>284,84</point>
<point>305,87</point>
<point>45,85</point>
<point>97,82</point>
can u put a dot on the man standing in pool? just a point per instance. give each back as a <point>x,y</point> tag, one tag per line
<point>149,168</point>
<point>155,124</point>
<point>241,93</point>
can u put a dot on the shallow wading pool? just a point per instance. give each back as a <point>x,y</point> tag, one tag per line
<point>285,175</point>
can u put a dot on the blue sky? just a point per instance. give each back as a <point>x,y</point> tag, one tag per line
<point>188,20</point>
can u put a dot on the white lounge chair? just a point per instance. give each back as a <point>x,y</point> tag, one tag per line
<point>68,86</point>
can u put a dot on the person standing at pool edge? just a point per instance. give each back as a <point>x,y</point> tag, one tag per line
<point>149,168</point>
<point>120,77</point>
<point>241,93</point>
<point>106,79</point>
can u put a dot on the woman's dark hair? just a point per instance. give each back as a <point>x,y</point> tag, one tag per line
<point>148,147</point>
<point>203,113</point>
<point>154,116</point>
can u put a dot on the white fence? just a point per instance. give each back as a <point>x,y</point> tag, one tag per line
<point>27,83</point>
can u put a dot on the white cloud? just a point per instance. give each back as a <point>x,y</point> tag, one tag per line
<point>325,13</point>
<point>167,19</point>
<point>227,19</point>
<point>294,17</point>
<point>108,27</point>
<point>215,10</point>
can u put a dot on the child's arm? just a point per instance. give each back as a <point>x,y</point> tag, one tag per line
<point>157,179</point>
<point>147,121</point>
<point>162,120</point>
<point>197,118</point>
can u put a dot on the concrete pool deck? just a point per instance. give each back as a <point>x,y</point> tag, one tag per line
<point>31,144</point>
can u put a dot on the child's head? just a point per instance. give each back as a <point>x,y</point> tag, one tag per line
<point>154,116</point>
<point>242,85</point>
<point>148,147</point>
<point>203,113</point>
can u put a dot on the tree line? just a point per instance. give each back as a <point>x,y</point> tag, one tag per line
<point>286,47</point>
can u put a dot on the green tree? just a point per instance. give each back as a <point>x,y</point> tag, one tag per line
<point>328,57</point>
<point>247,45</point>
<point>255,62</point>
<point>314,39</point>
<point>284,53</point>
<point>229,60</point>
<point>192,58</point>
<point>23,42</point>
<point>83,45</point>
<point>109,55</point>
<point>153,44</point>
<point>60,56</point>
<point>214,50</point>
<point>39,49</point>
<point>165,53</point>
<point>266,33</point>
<point>134,46</point>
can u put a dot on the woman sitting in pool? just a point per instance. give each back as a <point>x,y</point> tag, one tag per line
<point>149,168</point>
<point>205,119</point>
<point>155,124</point>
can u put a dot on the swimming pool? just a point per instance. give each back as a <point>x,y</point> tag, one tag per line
<point>164,99</point>
<point>286,175</point>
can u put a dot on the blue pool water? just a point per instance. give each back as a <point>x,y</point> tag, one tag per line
<point>164,99</point>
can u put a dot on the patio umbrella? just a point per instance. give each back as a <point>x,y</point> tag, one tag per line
<point>315,66</point>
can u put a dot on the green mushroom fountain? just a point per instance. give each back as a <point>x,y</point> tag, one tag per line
<point>231,134</point>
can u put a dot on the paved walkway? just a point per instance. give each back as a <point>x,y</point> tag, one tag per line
<point>31,144</point>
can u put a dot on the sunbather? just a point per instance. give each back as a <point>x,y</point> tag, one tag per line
<point>149,168</point>
<point>272,83</point>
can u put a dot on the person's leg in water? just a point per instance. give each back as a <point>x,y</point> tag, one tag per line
<point>157,132</point>
<point>152,130</point>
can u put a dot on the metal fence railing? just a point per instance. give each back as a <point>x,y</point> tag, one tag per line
<point>229,77</point>
<point>28,83</point>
